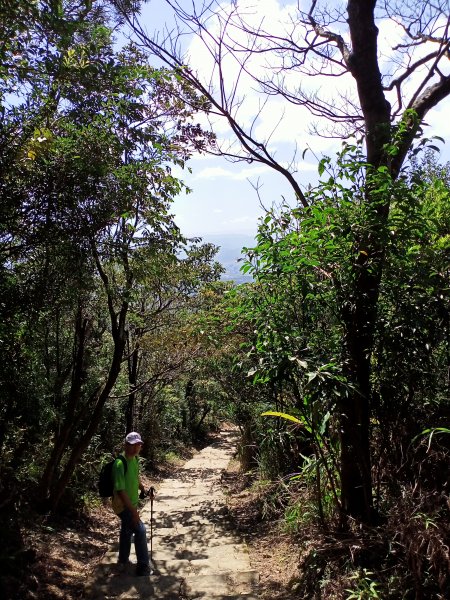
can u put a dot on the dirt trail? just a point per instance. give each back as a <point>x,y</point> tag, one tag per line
<point>196,553</point>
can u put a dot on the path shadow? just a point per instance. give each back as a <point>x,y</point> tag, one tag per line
<point>193,535</point>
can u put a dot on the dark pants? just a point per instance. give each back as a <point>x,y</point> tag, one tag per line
<point>127,530</point>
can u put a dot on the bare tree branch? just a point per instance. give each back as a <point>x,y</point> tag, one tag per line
<point>314,43</point>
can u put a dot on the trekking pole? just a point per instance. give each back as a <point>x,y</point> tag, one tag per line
<point>152,495</point>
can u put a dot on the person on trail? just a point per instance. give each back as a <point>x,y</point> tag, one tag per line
<point>125,504</point>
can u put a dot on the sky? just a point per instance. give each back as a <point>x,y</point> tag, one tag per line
<point>224,199</point>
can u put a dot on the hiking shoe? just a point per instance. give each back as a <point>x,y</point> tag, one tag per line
<point>124,567</point>
<point>143,571</point>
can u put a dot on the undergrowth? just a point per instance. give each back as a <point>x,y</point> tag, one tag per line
<point>404,557</point>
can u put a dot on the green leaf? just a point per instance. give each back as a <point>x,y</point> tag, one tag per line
<point>322,166</point>
<point>301,363</point>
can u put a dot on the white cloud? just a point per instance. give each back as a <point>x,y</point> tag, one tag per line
<point>245,220</point>
<point>306,167</point>
<point>219,183</point>
<point>212,173</point>
<point>275,121</point>
<point>279,121</point>
<point>438,123</point>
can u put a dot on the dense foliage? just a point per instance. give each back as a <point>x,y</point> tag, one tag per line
<point>296,351</point>
<point>94,269</point>
<point>333,362</point>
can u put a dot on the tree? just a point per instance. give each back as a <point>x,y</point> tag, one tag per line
<point>158,332</point>
<point>302,267</point>
<point>387,109</point>
<point>87,188</point>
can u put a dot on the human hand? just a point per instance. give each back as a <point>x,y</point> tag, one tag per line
<point>146,493</point>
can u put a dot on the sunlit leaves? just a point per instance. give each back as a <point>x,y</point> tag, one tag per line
<point>282,415</point>
<point>306,264</point>
<point>87,234</point>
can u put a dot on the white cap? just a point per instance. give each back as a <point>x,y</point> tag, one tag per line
<point>133,438</point>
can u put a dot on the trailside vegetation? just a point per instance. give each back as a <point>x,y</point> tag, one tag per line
<point>295,311</point>
<point>94,273</point>
<point>384,102</point>
<point>333,362</point>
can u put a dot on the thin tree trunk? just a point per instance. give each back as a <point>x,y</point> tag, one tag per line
<point>206,411</point>
<point>189,398</point>
<point>65,430</point>
<point>82,444</point>
<point>133,360</point>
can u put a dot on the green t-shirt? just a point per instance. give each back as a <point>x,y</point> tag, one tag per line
<point>128,481</point>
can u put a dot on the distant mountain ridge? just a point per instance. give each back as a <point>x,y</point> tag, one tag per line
<point>230,251</point>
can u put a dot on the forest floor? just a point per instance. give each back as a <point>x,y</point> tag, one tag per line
<point>66,550</point>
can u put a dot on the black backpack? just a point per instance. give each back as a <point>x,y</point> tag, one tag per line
<point>105,480</point>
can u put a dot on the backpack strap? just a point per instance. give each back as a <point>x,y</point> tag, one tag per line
<point>124,462</point>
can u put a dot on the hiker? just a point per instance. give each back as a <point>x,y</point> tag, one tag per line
<point>125,501</point>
